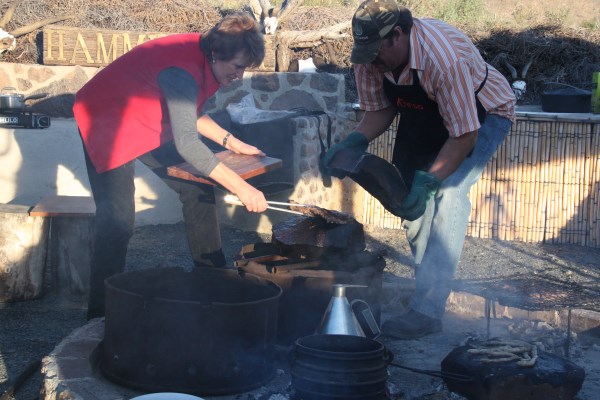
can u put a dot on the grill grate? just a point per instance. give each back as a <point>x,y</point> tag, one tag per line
<point>532,293</point>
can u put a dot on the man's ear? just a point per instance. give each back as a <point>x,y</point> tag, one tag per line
<point>397,34</point>
<point>400,35</point>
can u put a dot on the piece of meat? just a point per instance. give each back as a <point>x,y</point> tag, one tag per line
<point>330,216</point>
<point>304,236</point>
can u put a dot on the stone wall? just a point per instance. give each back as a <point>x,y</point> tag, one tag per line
<point>311,187</point>
<point>271,90</point>
<point>60,83</point>
<point>312,92</point>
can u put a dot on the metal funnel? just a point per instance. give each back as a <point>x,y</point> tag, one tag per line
<point>339,319</point>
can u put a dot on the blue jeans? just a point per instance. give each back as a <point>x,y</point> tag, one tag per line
<point>436,239</point>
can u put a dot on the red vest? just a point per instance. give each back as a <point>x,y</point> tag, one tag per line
<point>121,113</point>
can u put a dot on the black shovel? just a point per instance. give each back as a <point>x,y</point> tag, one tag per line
<point>374,174</point>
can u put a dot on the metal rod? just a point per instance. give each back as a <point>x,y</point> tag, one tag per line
<point>281,203</point>
<point>285,210</point>
<point>234,200</point>
<point>437,374</point>
<point>487,306</point>
<point>231,199</point>
<point>568,341</point>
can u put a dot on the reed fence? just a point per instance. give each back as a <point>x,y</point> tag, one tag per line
<point>542,185</point>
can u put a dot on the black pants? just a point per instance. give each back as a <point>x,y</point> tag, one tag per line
<point>113,193</point>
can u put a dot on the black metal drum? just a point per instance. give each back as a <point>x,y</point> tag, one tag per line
<point>206,332</point>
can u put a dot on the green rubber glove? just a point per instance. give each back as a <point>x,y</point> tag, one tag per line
<point>354,140</point>
<point>423,189</point>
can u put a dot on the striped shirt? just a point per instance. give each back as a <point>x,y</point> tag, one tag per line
<point>450,70</point>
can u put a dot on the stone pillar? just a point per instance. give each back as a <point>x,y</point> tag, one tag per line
<point>23,249</point>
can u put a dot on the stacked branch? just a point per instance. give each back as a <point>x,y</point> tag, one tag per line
<point>8,39</point>
<point>286,41</point>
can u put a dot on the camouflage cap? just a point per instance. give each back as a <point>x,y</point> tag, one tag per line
<point>371,22</point>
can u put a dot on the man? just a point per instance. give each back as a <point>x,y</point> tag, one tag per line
<point>455,111</point>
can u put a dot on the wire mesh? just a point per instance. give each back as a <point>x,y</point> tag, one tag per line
<point>533,293</point>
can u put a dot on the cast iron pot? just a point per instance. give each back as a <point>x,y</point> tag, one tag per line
<point>339,367</point>
<point>567,100</point>
<point>209,331</point>
<point>11,101</point>
<point>346,367</point>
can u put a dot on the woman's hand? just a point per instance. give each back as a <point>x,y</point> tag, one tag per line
<point>237,146</point>
<point>208,128</point>
<point>253,199</point>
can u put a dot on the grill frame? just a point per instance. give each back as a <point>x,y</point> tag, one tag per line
<point>532,292</point>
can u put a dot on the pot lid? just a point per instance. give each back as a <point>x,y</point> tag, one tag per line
<point>9,91</point>
<point>167,396</point>
<point>568,91</point>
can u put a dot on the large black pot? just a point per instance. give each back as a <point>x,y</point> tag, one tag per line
<point>205,332</point>
<point>567,100</point>
<point>339,367</point>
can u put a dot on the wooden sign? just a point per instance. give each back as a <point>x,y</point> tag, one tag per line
<point>63,45</point>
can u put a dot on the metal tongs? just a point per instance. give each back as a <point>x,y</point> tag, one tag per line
<point>233,199</point>
<point>438,374</point>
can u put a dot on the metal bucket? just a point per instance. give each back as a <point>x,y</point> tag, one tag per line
<point>206,332</point>
<point>336,367</point>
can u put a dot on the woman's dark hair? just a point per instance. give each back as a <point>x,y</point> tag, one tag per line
<point>235,33</point>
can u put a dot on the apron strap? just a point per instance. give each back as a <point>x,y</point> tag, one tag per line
<point>481,111</point>
<point>483,82</point>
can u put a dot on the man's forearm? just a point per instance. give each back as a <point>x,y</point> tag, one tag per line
<point>374,123</point>
<point>452,154</point>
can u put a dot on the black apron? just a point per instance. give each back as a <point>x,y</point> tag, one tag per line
<point>421,131</point>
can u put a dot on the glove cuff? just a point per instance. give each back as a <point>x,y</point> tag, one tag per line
<point>427,179</point>
<point>357,140</point>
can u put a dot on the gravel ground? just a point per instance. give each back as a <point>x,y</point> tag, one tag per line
<point>31,329</point>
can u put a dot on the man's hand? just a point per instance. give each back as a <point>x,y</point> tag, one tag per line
<point>355,140</point>
<point>424,188</point>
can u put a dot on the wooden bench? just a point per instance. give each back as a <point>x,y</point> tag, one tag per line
<point>64,206</point>
<point>71,240</point>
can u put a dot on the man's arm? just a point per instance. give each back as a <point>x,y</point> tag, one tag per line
<point>374,123</point>
<point>452,154</point>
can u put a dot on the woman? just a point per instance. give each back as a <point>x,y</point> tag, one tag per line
<point>146,106</point>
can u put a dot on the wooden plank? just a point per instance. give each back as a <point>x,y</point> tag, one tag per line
<point>244,165</point>
<point>64,206</point>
